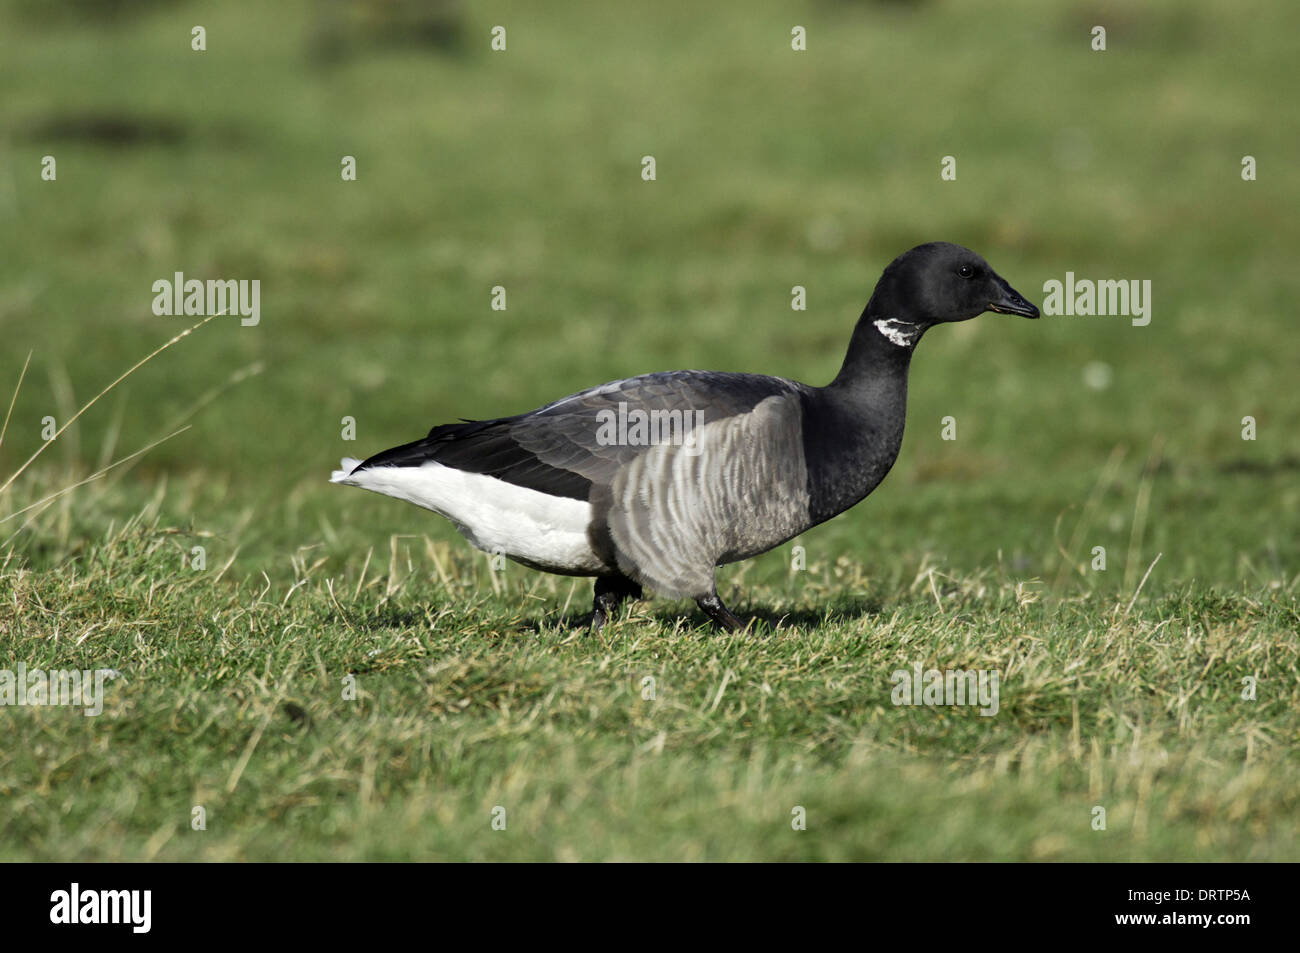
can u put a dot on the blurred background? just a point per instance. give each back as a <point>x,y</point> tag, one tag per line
<point>775,168</point>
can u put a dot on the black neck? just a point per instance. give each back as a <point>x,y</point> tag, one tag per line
<point>879,354</point>
<point>858,422</point>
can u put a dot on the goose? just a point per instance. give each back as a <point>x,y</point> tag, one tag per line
<point>655,481</point>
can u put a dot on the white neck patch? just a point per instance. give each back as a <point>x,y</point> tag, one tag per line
<point>902,333</point>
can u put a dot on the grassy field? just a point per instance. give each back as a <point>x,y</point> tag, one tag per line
<point>658,739</point>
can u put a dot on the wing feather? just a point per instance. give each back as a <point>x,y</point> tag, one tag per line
<point>557,449</point>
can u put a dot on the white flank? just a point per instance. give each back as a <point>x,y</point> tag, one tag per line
<point>902,333</point>
<point>537,529</point>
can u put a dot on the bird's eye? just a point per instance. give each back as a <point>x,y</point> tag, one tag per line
<point>966,271</point>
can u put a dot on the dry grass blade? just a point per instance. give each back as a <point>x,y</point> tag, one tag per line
<point>1141,506</point>
<point>45,501</point>
<point>127,373</point>
<point>13,400</point>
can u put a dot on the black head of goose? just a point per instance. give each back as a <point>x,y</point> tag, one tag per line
<point>657,480</point>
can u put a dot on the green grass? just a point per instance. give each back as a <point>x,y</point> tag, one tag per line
<point>774,169</point>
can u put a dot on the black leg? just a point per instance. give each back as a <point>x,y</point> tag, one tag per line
<point>611,591</point>
<point>722,617</point>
